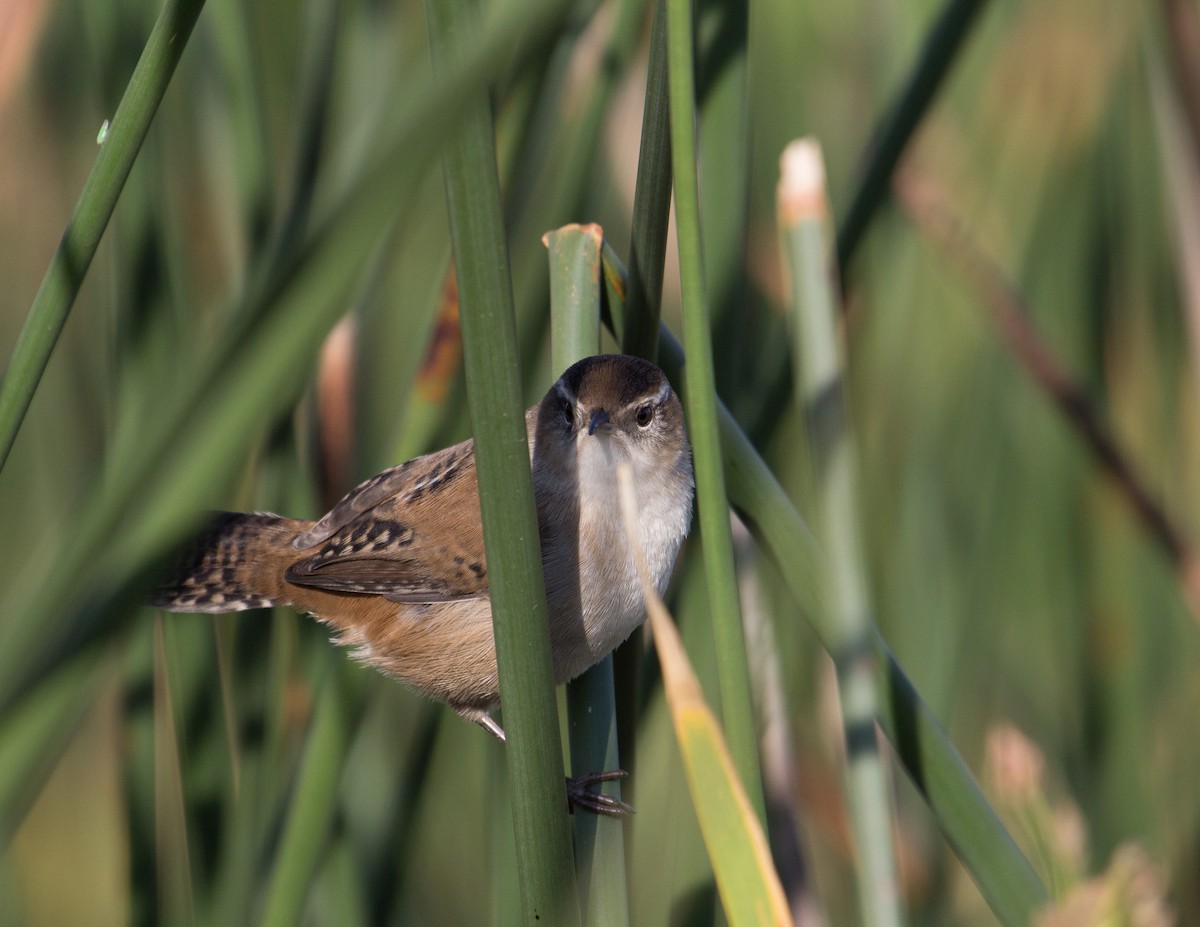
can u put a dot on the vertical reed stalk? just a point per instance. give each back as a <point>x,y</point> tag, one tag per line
<point>701,402</point>
<point>119,146</point>
<point>492,363</point>
<point>591,699</point>
<point>822,395</point>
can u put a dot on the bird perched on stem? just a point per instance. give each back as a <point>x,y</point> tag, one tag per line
<point>397,567</point>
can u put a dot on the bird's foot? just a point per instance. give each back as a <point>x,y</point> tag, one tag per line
<point>579,794</point>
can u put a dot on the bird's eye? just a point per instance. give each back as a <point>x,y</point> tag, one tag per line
<point>568,412</point>
<point>644,415</point>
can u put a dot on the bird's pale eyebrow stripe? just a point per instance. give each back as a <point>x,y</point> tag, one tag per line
<point>657,399</point>
<point>565,391</point>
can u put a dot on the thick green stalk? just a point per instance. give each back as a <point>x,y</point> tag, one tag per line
<point>591,699</point>
<point>941,47</point>
<point>701,403</point>
<point>119,146</point>
<point>1004,877</point>
<point>492,363</point>
<point>574,252</point>
<point>822,394</point>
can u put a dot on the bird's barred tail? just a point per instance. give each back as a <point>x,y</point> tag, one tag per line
<point>233,564</point>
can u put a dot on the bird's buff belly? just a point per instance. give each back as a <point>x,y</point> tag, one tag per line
<point>444,650</point>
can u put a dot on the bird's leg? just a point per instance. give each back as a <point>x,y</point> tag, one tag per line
<point>488,724</point>
<point>579,793</point>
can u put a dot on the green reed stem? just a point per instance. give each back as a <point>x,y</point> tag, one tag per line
<point>822,393</point>
<point>591,699</point>
<point>701,404</point>
<point>120,145</point>
<point>492,363</point>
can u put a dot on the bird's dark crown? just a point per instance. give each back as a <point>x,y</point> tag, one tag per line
<point>622,376</point>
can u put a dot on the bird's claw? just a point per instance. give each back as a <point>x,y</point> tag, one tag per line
<point>579,794</point>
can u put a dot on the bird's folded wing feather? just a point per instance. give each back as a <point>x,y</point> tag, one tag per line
<point>408,481</point>
<point>401,546</point>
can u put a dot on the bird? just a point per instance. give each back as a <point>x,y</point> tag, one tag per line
<point>397,567</point>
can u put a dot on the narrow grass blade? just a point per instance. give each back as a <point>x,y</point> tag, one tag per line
<point>321,31</point>
<point>733,833</point>
<point>312,810</point>
<point>701,399</point>
<point>941,48</point>
<point>33,737</point>
<point>563,141</point>
<point>1179,152</point>
<point>1183,44</point>
<point>492,362</point>
<point>232,27</point>
<point>118,148</point>
<point>822,389</point>
<point>651,202</point>
<point>425,409</point>
<point>176,899</point>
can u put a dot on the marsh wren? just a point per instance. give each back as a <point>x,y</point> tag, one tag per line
<point>397,567</point>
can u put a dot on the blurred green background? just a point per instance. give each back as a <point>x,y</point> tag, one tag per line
<point>151,773</point>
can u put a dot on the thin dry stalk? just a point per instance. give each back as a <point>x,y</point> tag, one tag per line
<point>929,210</point>
<point>1183,43</point>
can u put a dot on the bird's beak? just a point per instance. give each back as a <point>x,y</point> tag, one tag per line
<point>598,419</point>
